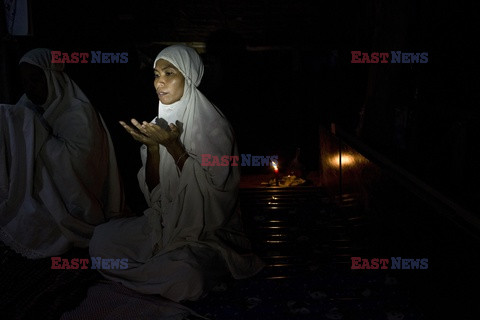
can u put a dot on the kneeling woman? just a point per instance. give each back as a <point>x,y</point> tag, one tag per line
<point>191,234</point>
<point>58,171</point>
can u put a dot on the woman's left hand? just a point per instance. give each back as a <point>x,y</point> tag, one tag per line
<point>150,132</point>
<point>167,138</point>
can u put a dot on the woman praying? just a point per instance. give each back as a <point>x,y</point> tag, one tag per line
<point>191,235</point>
<point>58,171</point>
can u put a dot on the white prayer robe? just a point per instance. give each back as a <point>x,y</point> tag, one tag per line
<point>58,172</point>
<point>192,231</point>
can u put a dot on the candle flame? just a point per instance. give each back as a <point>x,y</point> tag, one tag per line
<point>275,166</point>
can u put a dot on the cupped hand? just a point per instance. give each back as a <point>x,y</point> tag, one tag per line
<point>151,134</point>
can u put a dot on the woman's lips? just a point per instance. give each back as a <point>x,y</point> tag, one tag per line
<point>161,94</point>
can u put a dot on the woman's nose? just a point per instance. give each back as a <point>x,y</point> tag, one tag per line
<point>159,82</point>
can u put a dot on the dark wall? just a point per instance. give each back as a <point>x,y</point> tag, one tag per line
<point>277,87</point>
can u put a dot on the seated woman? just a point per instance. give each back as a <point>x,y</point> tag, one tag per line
<point>58,171</point>
<point>191,234</point>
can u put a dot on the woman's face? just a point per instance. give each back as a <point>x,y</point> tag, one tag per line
<point>169,82</point>
<point>34,83</point>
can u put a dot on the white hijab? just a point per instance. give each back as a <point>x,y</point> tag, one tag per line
<point>61,89</point>
<point>188,62</point>
<point>193,108</point>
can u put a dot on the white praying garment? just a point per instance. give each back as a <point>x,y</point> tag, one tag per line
<point>192,229</point>
<point>58,171</point>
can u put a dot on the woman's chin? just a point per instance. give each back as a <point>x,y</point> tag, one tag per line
<point>167,101</point>
<point>164,101</point>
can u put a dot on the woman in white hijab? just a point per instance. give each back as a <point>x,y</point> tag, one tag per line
<point>191,234</point>
<point>58,172</point>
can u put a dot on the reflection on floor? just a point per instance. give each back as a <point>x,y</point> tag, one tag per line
<point>307,239</point>
<point>307,243</point>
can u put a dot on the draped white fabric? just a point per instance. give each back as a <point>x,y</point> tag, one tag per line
<point>196,207</point>
<point>200,204</point>
<point>58,172</point>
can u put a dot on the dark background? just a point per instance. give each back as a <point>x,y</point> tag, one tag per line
<point>280,69</point>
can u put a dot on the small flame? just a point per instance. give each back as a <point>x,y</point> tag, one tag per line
<point>275,166</point>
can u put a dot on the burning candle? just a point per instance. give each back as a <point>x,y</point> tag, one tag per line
<point>275,167</point>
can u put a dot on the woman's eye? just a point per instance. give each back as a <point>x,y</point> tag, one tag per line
<point>168,73</point>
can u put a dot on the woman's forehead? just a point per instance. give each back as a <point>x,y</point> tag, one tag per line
<point>163,64</point>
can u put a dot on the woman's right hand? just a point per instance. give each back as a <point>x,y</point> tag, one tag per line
<point>138,133</point>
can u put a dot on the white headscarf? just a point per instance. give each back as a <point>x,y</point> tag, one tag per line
<point>188,62</point>
<point>193,108</point>
<point>61,89</point>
